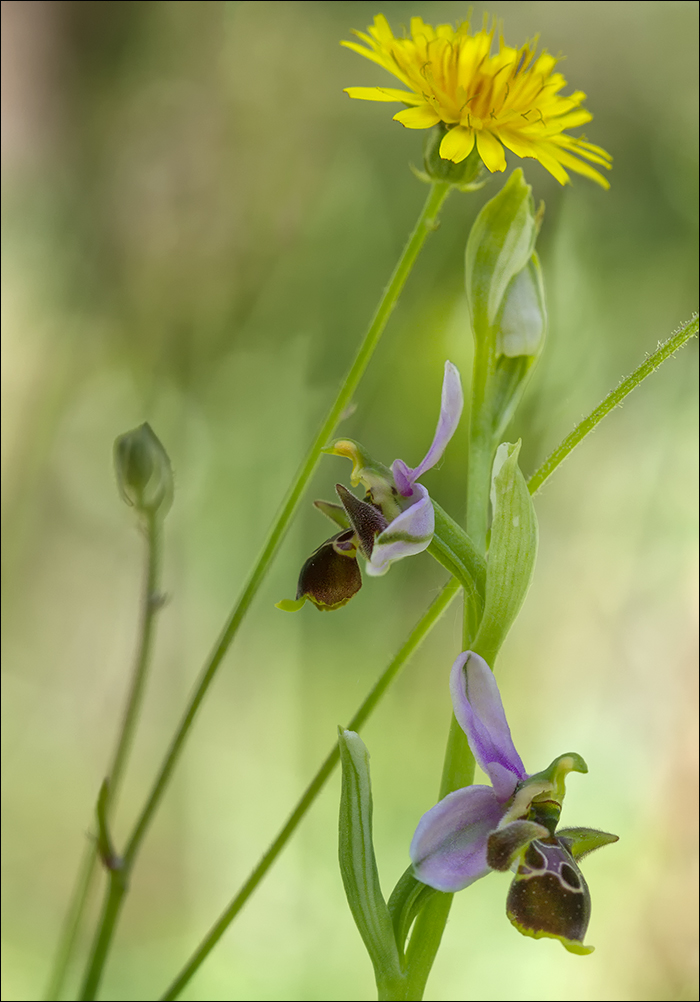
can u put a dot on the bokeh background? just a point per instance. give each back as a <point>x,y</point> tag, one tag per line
<point>198,223</point>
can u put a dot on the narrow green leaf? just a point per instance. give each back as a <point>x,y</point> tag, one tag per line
<point>358,866</point>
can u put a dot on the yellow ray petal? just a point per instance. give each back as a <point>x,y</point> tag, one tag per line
<point>582,168</point>
<point>490,151</point>
<point>422,117</point>
<point>457,144</point>
<point>383,94</point>
<point>523,148</point>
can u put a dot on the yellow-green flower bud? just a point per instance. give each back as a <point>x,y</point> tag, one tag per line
<point>144,474</point>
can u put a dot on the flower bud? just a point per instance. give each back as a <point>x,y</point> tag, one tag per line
<point>144,474</point>
<point>501,243</point>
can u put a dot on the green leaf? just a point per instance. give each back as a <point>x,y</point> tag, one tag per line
<point>512,553</point>
<point>358,866</point>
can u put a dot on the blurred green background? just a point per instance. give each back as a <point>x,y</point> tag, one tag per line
<point>198,223</point>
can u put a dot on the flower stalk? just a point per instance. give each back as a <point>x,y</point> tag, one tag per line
<point>151,517</point>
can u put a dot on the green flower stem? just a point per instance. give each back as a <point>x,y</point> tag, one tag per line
<point>88,867</point>
<point>457,772</point>
<point>481,449</point>
<point>415,638</point>
<point>613,399</point>
<point>427,222</point>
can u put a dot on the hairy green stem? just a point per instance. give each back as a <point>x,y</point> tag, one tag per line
<point>613,399</point>
<point>150,604</point>
<point>415,638</point>
<point>427,222</point>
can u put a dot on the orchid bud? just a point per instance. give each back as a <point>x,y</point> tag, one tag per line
<point>501,242</point>
<point>144,474</point>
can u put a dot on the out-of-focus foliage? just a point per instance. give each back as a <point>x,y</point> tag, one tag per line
<point>198,223</point>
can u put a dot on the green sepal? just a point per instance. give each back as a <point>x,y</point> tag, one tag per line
<point>512,552</point>
<point>335,512</point>
<point>468,175</point>
<point>358,866</point>
<point>583,841</point>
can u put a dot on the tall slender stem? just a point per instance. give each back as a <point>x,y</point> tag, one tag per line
<point>427,222</point>
<point>415,638</point>
<point>88,869</point>
<point>613,399</point>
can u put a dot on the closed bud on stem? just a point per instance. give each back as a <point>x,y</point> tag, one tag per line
<point>506,297</point>
<point>144,474</point>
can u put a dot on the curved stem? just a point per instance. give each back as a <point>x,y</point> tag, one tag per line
<point>613,399</point>
<point>150,604</point>
<point>427,222</point>
<point>415,638</point>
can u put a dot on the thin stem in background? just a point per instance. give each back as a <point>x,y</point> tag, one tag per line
<point>88,870</point>
<point>415,638</point>
<point>613,399</point>
<point>427,222</point>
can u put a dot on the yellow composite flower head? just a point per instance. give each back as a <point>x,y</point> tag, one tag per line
<point>509,99</point>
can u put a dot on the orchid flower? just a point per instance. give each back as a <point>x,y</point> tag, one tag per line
<point>394,520</point>
<point>510,824</point>
<point>396,493</point>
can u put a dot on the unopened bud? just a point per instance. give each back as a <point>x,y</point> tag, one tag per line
<point>144,474</point>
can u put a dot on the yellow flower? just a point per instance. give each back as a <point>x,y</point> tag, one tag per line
<point>508,99</point>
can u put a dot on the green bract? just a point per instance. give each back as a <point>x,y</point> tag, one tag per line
<point>357,863</point>
<point>512,552</point>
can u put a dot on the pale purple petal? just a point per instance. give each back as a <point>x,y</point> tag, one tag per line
<point>410,532</point>
<point>449,847</point>
<point>479,712</point>
<point>450,413</point>
<point>402,477</point>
